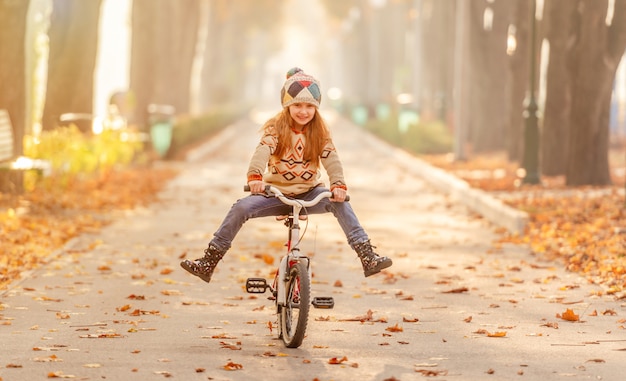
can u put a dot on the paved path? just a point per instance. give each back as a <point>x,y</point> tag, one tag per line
<point>116,305</point>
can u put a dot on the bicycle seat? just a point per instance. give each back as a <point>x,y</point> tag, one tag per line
<point>284,217</point>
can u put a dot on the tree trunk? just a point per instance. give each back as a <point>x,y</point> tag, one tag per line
<point>163,48</point>
<point>517,79</point>
<point>437,19</point>
<point>13,65</point>
<point>556,122</point>
<point>488,67</point>
<point>176,35</point>
<point>593,61</point>
<point>72,59</point>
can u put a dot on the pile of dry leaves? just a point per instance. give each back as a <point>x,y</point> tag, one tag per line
<point>584,227</point>
<point>33,225</point>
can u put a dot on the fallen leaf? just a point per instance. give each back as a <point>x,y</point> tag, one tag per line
<point>60,374</point>
<point>395,328</point>
<point>230,346</point>
<point>101,336</point>
<point>222,336</point>
<point>551,325</point>
<point>171,292</point>
<point>431,373</point>
<point>369,316</point>
<point>456,290</point>
<point>596,360</point>
<point>232,366</point>
<point>335,360</point>
<point>568,315</point>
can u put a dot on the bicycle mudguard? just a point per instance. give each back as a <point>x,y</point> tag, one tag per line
<point>326,302</point>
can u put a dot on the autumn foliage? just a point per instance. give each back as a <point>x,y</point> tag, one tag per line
<point>583,227</point>
<point>35,224</point>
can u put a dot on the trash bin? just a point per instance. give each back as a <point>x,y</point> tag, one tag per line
<point>161,121</point>
<point>406,118</point>
<point>359,115</point>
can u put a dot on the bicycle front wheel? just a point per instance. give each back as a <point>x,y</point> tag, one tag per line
<point>294,315</point>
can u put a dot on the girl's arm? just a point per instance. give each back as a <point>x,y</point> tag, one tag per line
<point>332,164</point>
<point>260,158</point>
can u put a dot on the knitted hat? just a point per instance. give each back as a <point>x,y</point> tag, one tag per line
<point>300,88</point>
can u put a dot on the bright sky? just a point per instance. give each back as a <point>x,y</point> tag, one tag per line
<point>112,67</point>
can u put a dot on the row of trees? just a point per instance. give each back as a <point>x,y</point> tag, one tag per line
<point>165,36</point>
<point>379,48</point>
<point>586,39</point>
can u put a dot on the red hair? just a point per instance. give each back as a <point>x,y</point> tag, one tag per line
<point>316,133</point>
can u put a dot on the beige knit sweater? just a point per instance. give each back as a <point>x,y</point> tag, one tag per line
<point>291,174</point>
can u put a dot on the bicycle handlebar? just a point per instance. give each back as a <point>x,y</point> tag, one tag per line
<point>273,191</point>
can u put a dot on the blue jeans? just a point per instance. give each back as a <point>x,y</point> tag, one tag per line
<point>258,205</point>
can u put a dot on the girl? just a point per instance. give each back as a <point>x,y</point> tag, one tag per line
<point>293,145</point>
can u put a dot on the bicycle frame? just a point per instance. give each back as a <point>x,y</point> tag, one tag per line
<point>293,249</point>
<point>292,283</point>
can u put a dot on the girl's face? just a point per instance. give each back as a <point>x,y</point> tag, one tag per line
<point>302,113</point>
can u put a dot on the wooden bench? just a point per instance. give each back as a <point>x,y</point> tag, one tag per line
<point>10,162</point>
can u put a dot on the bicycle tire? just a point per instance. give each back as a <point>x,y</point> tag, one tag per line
<point>294,316</point>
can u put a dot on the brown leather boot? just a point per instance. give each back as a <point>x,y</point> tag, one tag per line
<point>372,262</point>
<point>203,267</point>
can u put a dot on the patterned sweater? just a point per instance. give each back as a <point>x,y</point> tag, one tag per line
<point>291,174</point>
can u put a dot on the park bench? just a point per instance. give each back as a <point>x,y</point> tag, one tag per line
<point>10,162</point>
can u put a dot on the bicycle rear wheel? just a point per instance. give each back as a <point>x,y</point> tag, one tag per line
<point>294,316</point>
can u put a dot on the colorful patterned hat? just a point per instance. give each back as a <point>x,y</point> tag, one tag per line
<point>300,88</point>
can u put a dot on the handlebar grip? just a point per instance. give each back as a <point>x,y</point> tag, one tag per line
<point>246,188</point>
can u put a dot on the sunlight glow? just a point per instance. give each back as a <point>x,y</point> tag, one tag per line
<point>113,61</point>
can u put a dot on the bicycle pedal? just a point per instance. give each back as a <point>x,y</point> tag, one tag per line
<point>256,285</point>
<point>326,302</point>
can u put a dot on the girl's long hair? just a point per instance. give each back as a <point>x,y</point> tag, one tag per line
<point>316,133</point>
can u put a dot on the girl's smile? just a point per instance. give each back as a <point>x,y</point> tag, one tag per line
<point>302,113</point>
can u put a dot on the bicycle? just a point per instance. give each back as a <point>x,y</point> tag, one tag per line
<point>291,288</point>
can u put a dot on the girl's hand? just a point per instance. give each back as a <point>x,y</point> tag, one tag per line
<point>339,195</point>
<point>256,186</point>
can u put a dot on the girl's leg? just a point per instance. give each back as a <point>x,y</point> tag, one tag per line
<point>248,207</point>
<point>355,234</point>
<point>342,211</point>
<point>253,206</point>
